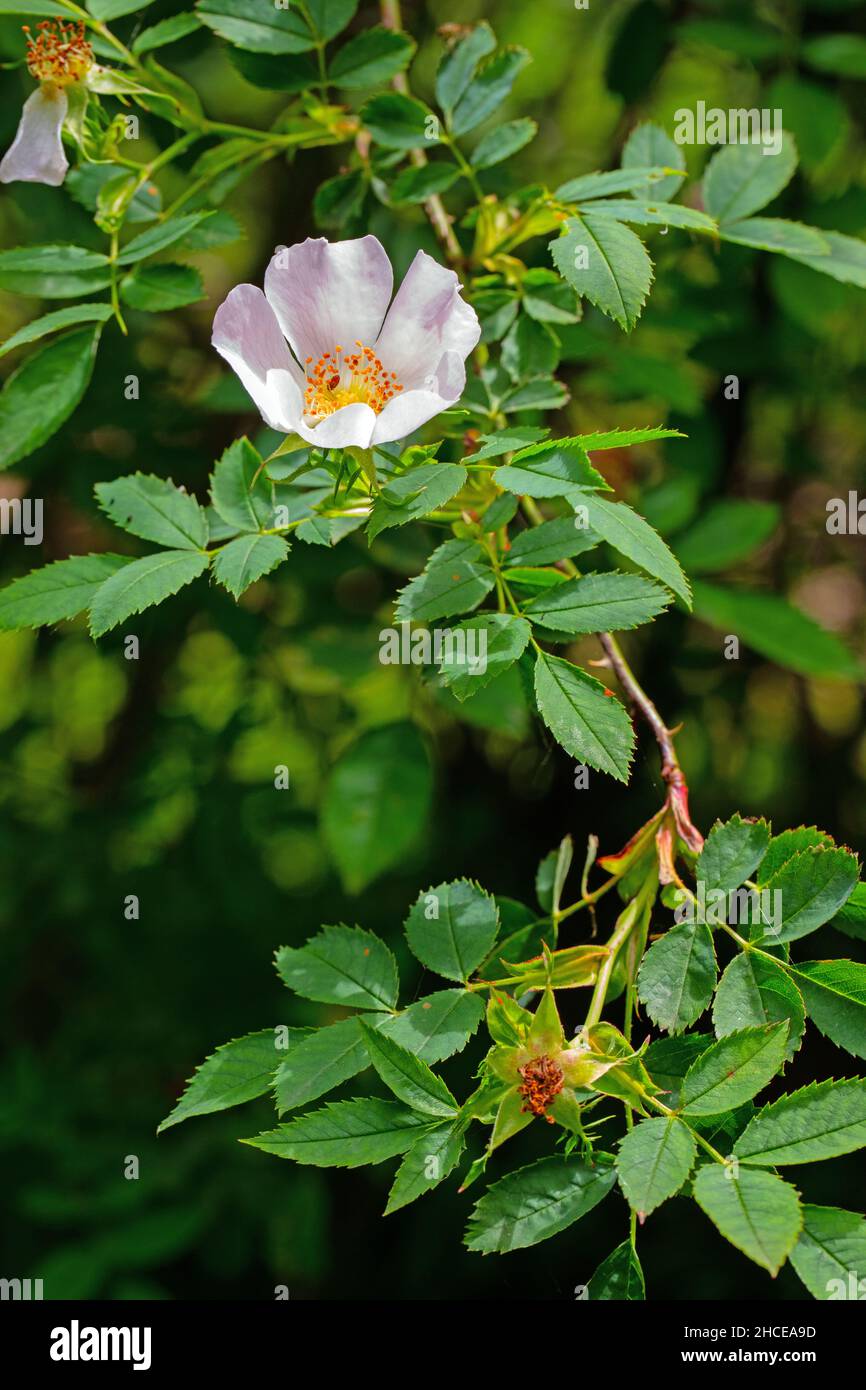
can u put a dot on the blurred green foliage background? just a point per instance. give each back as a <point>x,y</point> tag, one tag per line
<point>155,777</point>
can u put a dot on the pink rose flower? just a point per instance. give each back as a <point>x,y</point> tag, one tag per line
<point>323,356</point>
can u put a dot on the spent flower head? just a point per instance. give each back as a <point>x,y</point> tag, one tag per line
<point>59,57</point>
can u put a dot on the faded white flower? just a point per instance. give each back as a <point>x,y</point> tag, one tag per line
<point>323,356</point>
<point>59,57</point>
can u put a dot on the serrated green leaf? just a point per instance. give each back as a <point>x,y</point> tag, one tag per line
<point>654,1160</point>
<point>376,803</point>
<point>154,509</point>
<point>732,851</point>
<point>588,723</point>
<point>488,89</point>
<point>624,439</point>
<point>504,637</point>
<point>725,533</point>
<point>776,234</point>
<point>820,1121</point>
<point>240,489</point>
<point>647,145</point>
<point>501,511</point>
<point>414,494</point>
<point>740,179</point>
<point>322,1059</point>
<point>851,919</point>
<point>506,441</point>
<point>603,185</point>
<point>431,1030</point>
<point>542,393</point>
<point>42,8</point>
<point>456,578</point>
<point>606,263</point>
<point>734,1069</point>
<point>165,31</point>
<point>555,540</point>
<point>398,122</point>
<point>533,579</point>
<point>428,1162</point>
<point>632,536</point>
<point>777,630</point>
<point>341,965</point>
<point>649,214</point>
<point>842,55</point>
<point>459,63</point>
<point>529,349</point>
<point>785,845</point>
<point>618,1278</point>
<point>115,9</point>
<point>668,1060</point>
<point>240,563</point>
<point>407,1076</point>
<point>51,323</point>
<point>753,991</point>
<point>830,1256</point>
<point>416,184</point>
<point>57,591</point>
<point>535,1203</point>
<point>159,237</point>
<point>371,57</point>
<point>452,927</point>
<point>503,142</point>
<point>257,25</point>
<point>607,602</point>
<point>678,975</point>
<point>347,1134</point>
<point>548,299</point>
<point>846,260</point>
<point>812,886</point>
<point>157,288</point>
<point>835,995</point>
<point>43,392</point>
<point>218,229</point>
<point>53,272</point>
<point>553,468</point>
<point>142,584</point>
<point>327,530</point>
<point>437,1026</point>
<point>238,1071</point>
<point>756,1211</point>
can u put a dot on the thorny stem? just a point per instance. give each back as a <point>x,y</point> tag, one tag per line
<point>433,206</point>
<point>672,773</point>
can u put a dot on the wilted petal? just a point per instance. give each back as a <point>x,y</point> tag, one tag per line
<point>326,294</point>
<point>349,427</point>
<point>247,335</point>
<point>36,154</point>
<point>409,411</point>
<point>427,319</point>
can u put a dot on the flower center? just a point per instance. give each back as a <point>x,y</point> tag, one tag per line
<point>341,378</point>
<point>60,54</point>
<point>542,1083</point>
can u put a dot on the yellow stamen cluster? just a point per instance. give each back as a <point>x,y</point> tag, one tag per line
<point>60,54</point>
<point>341,378</point>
